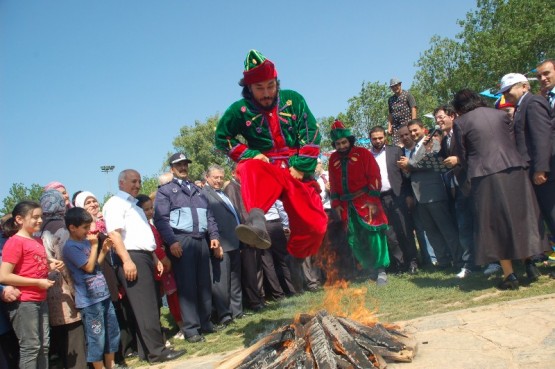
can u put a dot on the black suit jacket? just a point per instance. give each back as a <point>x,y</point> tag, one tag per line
<point>535,134</point>
<point>485,144</point>
<point>225,219</point>
<point>400,184</point>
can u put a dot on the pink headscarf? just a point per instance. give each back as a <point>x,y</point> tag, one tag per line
<point>53,186</point>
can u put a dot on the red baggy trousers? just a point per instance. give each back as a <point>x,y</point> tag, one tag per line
<point>263,183</point>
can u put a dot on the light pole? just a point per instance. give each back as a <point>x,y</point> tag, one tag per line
<point>108,169</point>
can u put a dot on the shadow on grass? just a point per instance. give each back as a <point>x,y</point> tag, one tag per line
<point>255,330</point>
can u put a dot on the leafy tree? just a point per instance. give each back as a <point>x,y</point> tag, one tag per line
<point>198,143</point>
<point>149,184</point>
<point>498,37</point>
<point>18,192</point>
<point>503,36</point>
<point>325,127</point>
<point>368,108</point>
<point>435,81</point>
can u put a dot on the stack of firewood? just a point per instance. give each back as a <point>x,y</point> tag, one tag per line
<point>324,341</point>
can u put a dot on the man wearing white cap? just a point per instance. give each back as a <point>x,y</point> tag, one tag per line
<point>535,139</point>
<point>402,108</point>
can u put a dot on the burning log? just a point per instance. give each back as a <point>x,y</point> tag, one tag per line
<point>343,341</point>
<point>320,347</point>
<point>324,341</point>
<point>377,334</point>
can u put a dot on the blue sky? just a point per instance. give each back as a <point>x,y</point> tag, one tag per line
<point>91,83</point>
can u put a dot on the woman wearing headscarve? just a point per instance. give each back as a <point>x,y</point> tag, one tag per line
<point>67,335</point>
<point>54,185</point>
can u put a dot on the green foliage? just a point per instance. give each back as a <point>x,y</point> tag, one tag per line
<point>367,109</point>
<point>499,37</point>
<point>198,144</point>
<point>18,192</point>
<point>435,79</point>
<point>503,36</point>
<point>149,184</point>
<point>325,128</point>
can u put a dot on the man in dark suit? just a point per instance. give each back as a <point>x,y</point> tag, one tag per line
<point>431,196</point>
<point>226,271</point>
<point>458,192</point>
<point>535,140</point>
<point>545,72</point>
<point>395,189</point>
<point>251,266</point>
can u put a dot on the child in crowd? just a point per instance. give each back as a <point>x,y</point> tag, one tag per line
<point>91,291</point>
<point>167,278</point>
<point>25,266</point>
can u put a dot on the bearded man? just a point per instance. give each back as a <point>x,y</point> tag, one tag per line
<point>276,159</point>
<point>355,184</point>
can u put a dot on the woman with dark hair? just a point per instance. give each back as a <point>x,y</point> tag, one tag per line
<point>507,224</point>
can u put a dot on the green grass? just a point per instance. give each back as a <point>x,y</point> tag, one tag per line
<point>404,297</point>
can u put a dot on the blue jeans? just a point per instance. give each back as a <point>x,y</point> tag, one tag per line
<point>30,323</point>
<point>101,330</point>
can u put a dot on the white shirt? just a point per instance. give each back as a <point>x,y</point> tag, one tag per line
<point>278,212</point>
<point>324,194</point>
<point>121,213</point>
<point>381,160</point>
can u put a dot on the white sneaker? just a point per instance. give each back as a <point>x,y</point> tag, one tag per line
<point>382,279</point>
<point>492,268</point>
<point>463,273</point>
<point>179,335</point>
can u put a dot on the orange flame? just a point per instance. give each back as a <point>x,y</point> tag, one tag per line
<point>339,298</point>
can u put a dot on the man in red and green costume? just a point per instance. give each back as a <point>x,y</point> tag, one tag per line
<point>276,159</point>
<point>355,184</point>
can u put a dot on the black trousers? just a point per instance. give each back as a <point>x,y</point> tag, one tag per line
<point>194,288</point>
<point>269,280</point>
<point>281,256</point>
<point>251,268</point>
<point>441,229</point>
<point>400,221</point>
<point>545,194</point>
<point>142,296</point>
<point>227,297</point>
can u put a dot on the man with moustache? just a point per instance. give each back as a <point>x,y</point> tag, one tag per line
<point>545,73</point>
<point>355,184</point>
<point>226,271</point>
<point>182,217</point>
<point>393,193</point>
<point>276,158</point>
<point>535,141</point>
<point>134,244</point>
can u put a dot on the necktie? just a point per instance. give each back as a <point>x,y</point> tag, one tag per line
<point>228,203</point>
<point>551,98</point>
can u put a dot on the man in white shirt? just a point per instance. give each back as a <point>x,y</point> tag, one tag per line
<point>134,243</point>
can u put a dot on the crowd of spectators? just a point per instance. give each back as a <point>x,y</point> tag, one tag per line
<point>87,284</point>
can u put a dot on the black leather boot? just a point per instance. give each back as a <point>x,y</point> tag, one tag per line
<point>253,232</point>
<point>532,271</point>
<point>509,283</point>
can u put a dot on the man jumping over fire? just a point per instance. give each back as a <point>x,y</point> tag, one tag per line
<point>278,159</point>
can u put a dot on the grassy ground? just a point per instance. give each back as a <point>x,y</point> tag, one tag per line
<point>404,297</point>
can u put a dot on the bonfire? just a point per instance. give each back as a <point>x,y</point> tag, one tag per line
<point>348,338</point>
